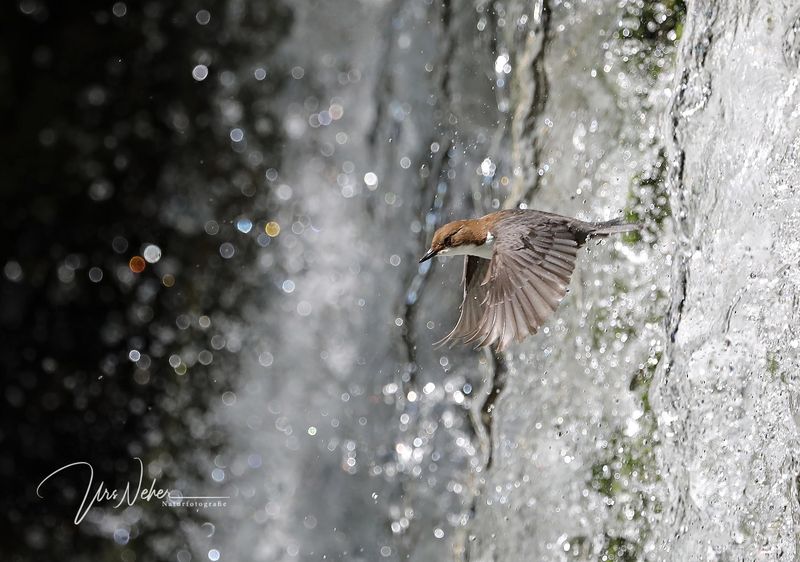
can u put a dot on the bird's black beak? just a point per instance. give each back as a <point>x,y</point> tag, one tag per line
<point>428,255</point>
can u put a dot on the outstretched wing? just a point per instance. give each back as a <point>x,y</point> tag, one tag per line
<point>527,278</point>
<point>475,290</point>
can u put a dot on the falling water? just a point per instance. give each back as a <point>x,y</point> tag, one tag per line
<point>726,394</point>
<point>305,155</point>
<point>401,116</point>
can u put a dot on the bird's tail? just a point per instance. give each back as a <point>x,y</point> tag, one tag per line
<point>615,226</point>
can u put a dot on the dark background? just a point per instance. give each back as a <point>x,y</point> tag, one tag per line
<point>110,144</point>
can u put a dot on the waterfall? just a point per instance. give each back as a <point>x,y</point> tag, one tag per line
<point>726,394</point>
<point>282,166</point>
<point>376,445</point>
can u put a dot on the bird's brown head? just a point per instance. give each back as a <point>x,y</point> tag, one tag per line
<point>454,235</point>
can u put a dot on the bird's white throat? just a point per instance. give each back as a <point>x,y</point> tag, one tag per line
<point>483,251</point>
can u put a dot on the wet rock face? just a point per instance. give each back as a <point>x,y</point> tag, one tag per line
<point>714,463</point>
<point>726,393</point>
<point>573,473</point>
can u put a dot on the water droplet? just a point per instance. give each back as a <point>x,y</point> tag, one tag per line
<point>152,253</point>
<point>137,264</point>
<point>272,229</point>
<point>13,271</point>
<point>203,17</point>
<point>200,72</point>
<point>122,536</point>
<point>95,274</point>
<point>226,250</point>
<point>119,9</point>
<point>265,359</point>
<point>212,227</point>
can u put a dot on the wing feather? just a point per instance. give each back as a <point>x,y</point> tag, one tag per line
<point>527,277</point>
<point>515,293</point>
<point>475,295</point>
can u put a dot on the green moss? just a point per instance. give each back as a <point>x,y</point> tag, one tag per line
<point>648,32</point>
<point>625,473</point>
<point>620,550</point>
<point>644,376</point>
<point>620,287</point>
<point>627,462</point>
<point>648,200</point>
<point>679,30</point>
<point>612,549</point>
<point>774,368</point>
<point>772,363</point>
<point>653,24</point>
<point>658,18</point>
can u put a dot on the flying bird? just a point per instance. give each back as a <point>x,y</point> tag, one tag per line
<point>517,267</point>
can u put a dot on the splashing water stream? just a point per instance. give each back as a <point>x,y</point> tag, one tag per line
<point>423,454</point>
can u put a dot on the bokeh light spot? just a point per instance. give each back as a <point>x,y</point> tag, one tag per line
<point>137,264</point>
<point>119,9</point>
<point>203,17</point>
<point>152,253</point>
<point>244,225</point>
<point>200,72</point>
<point>122,536</point>
<point>371,179</point>
<point>13,271</point>
<point>227,250</point>
<point>212,227</point>
<point>272,229</point>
